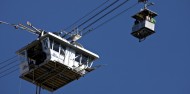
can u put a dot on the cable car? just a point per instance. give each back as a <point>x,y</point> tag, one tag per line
<point>144,24</point>
<point>52,61</point>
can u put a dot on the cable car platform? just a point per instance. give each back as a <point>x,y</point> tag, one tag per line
<point>51,76</point>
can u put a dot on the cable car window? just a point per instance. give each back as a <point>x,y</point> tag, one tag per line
<point>45,43</point>
<point>77,58</point>
<point>23,59</point>
<point>56,46</point>
<point>84,59</point>
<point>90,59</point>
<point>51,44</point>
<point>62,50</point>
<point>23,56</point>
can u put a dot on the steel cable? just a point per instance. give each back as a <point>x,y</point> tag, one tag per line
<point>8,60</point>
<point>109,19</point>
<point>87,14</point>
<point>105,15</point>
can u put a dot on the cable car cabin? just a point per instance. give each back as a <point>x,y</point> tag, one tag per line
<point>144,24</point>
<point>52,62</point>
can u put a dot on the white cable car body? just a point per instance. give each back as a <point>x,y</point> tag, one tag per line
<point>52,62</point>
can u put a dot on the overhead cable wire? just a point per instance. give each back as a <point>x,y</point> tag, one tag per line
<point>8,60</point>
<point>8,64</point>
<point>9,73</point>
<point>105,15</point>
<point>93,16</point>
<point>90,30</point>
<point>87,15</point>
<point>9,69</point>
<point>98,13</point>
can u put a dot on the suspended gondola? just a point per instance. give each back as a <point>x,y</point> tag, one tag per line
<point>144,24</point>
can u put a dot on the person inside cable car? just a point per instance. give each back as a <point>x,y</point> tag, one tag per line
<point>148,18</point>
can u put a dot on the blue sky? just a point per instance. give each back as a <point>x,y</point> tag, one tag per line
<point>159,65</point>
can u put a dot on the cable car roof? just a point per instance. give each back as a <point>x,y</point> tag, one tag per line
<point>61,41</point>
<point>144,13</point>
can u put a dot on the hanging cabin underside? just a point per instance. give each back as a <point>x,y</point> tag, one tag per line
<point>51,76</point>
<point>51,62</point>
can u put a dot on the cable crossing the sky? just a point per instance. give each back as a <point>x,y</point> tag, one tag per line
<point>98,13</point>
<point>78,31</point>
<point>94,16</point>
<point>87,14</point>
<point>9,68</point>
<point>90,30</point>
<point>6,67</point>
<point>8,60</point>
<point>105,15</point>
<point>8,64</point>
<point>9,73</point>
